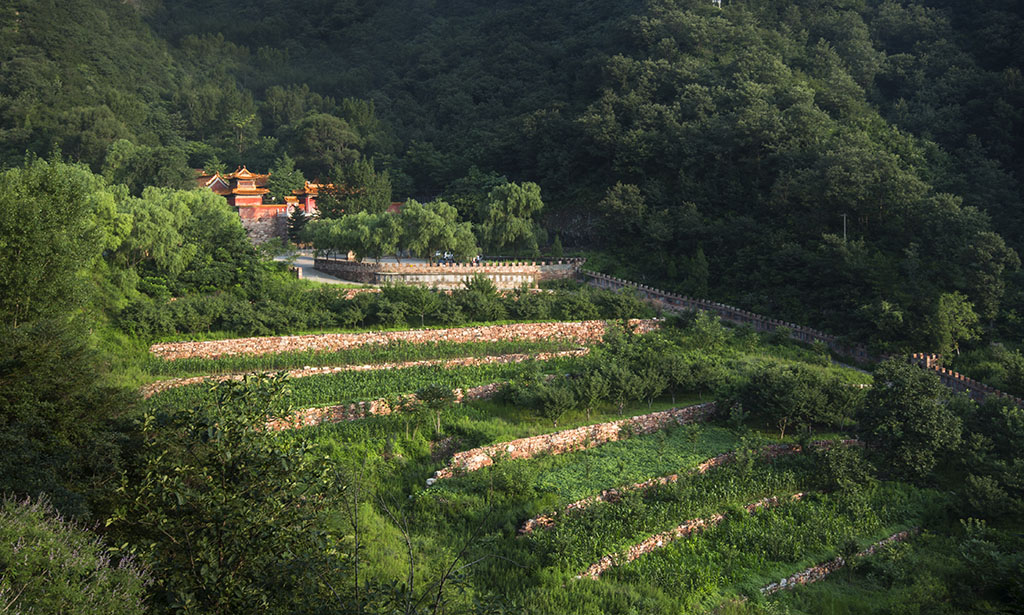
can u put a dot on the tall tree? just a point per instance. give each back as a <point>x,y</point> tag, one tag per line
<point>906,419</point>
<point>434,227</point>
<point>507,217</point>
<point>355,187</point>
<point>284,179</point>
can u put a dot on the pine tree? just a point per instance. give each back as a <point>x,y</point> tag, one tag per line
<point>296,222</point>
<point>556,246</point>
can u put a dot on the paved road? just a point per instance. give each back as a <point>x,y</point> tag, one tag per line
<point>304,261</point>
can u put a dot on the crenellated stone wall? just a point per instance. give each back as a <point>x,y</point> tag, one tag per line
<point>978,391</point>
<point>581,332</point>
<point>505,275</point>
<point>673,302</point>
<point>571,439</point>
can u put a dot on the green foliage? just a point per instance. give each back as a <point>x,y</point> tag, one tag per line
<point>432,228</point>
<point>905,418</point>
<point>556,398</point>
<point>436,398</point>
<point>52,566</point>
<point>507,217</point>
<point>990,455</point>
<point>797,397</point>
<point>354,188</point>
<point>954,322</point>
<point>55,222</point>
<point>556,247</point>
<point>297,221</point>
<point>349,386</point>
<point>932,573</point>
<point>995,365</point>
<point>228,517</point>
<point>284,179</point>
<point>749,550</point>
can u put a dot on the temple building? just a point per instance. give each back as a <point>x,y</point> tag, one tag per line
<point>247,193</point>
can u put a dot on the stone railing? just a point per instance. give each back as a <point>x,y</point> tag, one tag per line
<point>978,391</point>
<point>580,332</point>
<point>664,538</point>
<point>505,275</point>
<point>571,439</point>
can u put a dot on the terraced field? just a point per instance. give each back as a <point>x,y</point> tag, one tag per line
<point>665,515</point>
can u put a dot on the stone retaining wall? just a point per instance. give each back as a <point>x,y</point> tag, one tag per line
<point>378,407</point>
<point>571,439</point>
<point>769,452</point>
<point>581,332</point>
<point>263,229</point>
<point>660,540</point>
<point>817,573</point>
<point>452,275</point>
<point>160,386</point>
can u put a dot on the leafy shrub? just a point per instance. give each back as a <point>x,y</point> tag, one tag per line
<point>229,517</point>
<point>575,306</point>
<point>52,566</point>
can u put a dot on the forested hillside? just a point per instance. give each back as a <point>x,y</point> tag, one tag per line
<point>855,164</point>
<point>851,165</point>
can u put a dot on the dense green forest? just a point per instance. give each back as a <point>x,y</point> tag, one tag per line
<point>852,165</point>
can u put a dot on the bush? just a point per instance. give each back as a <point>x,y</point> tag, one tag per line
<point>906,419</point>
<point>575,306</point>
<point>52,566</point>
<point>229,516</point>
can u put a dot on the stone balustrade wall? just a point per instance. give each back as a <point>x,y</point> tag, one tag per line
<point>505,275</point>
<point>580,332</point>
<point>571,439</point>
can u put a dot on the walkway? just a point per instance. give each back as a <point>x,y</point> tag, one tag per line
<point>303,259</point>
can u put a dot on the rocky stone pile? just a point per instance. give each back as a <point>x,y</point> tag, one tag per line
<point>613,495</point>
<point>358,410</point>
